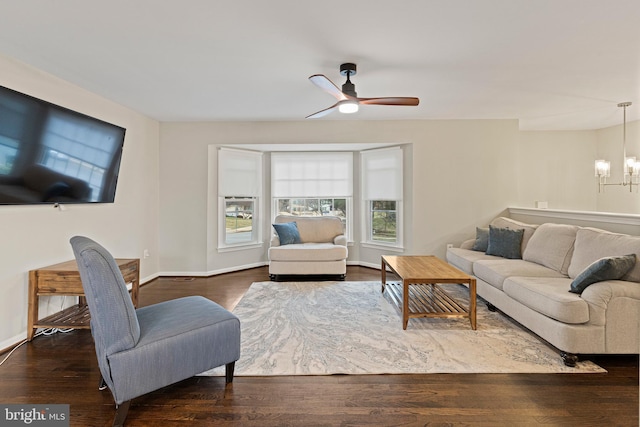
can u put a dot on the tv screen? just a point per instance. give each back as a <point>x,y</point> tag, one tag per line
<point>50,154</point>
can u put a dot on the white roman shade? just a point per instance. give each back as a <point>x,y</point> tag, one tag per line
<point>382,174</point>
<point>311,174</point>
<point>239,173</point>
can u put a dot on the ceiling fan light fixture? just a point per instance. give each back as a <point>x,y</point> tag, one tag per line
<point>348,107</point>
<point>348,101</point>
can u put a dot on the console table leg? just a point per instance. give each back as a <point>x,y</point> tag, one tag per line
<point>32,310</point>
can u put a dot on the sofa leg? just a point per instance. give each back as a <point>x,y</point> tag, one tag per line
<point>491,307</point>
<point>569,359</point>
<point>229,368</point>
<point>273,277</point>
<point>102,384</point>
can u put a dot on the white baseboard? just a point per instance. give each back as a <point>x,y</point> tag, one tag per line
<point>211,272</point>
<point>12,342</point>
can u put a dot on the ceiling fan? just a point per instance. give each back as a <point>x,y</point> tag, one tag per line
<point>348,100</point>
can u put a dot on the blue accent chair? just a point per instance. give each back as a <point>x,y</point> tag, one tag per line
<point>143,350</point>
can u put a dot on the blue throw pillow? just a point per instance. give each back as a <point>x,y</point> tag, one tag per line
<point>482,240</point>
<point>287,233</point>
<point>610,268</point>
<point>505,242</point>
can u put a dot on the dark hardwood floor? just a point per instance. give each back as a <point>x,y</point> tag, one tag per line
<point>62,369</point>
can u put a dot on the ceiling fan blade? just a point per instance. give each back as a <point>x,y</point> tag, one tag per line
<point>328,86</point>
<point>390,101</point>
<point>324,112</point>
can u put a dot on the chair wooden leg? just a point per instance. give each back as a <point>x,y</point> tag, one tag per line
<point>121,414</point>
<point>229,367</point>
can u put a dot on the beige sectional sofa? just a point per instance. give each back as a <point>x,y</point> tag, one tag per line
<point>320,248</point>
<point>534,290</point>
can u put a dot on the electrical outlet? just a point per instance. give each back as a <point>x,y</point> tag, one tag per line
<point>449,245</point>
<point>146,253</point>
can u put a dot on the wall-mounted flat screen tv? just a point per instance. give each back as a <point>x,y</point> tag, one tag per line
<point>50,154</point>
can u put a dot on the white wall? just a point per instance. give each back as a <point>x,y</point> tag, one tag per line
<point>557,167</point>
<point>458,181</point>
<point>37,236</point>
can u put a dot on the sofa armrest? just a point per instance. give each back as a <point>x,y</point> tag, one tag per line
<point>601,293</point>
<point>275,240</point>
<point>340,240</point>
<point>468,244</point>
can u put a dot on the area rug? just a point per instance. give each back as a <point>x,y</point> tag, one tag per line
<point>325,328</point>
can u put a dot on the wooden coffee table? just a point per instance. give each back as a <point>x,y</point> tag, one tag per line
<point>421,293</point>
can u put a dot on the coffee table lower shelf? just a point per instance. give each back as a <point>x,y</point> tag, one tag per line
<point>427,300</point>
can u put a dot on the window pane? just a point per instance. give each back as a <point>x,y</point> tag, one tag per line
<point>313,206</point>
<point>383,221</point>
<point>238,220</point>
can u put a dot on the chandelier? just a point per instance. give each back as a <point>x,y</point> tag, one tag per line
<point>631,167</point>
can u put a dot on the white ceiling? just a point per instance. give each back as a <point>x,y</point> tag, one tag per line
<point>552,64</point>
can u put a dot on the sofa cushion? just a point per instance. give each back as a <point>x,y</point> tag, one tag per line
<point>552,246</point>
<point>496,271</point>
<point>593,244</point>
<point>548,296</point>
<point>482,239</point>
<point>287,233</point>
<point>504,222</point>
<point>609,268</point>
<point>505,242</point>
<point>308,252</point>
<point>464,258</point>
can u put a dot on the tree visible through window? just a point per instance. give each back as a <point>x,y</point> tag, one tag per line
<point>384,221</point>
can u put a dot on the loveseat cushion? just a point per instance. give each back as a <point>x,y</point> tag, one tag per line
<point>464,258</point>
<point>495,272</point>
<point>287,233</point>
<point>593,244</point>
<point>552,245</point>
<point>308,252</point>
<point>548,296</point>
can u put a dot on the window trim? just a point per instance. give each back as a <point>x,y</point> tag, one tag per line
<point>367,231</point>
<point>255,227</point>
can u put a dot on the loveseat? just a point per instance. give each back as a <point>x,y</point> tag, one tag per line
<point>308,246</point>
<point>546,285</point>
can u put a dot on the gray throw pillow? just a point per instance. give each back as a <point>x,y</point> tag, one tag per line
<point>609,268</point>
<point>505,242</point>
<point>287,233</point>
<point>482,239</point>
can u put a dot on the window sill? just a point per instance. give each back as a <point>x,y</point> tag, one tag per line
<point>386,247</point>
<point>247,246</point>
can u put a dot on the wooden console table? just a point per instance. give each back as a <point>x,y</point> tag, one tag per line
<point>64,279</point>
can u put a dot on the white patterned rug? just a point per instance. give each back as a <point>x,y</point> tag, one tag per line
<point>324,328</point>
